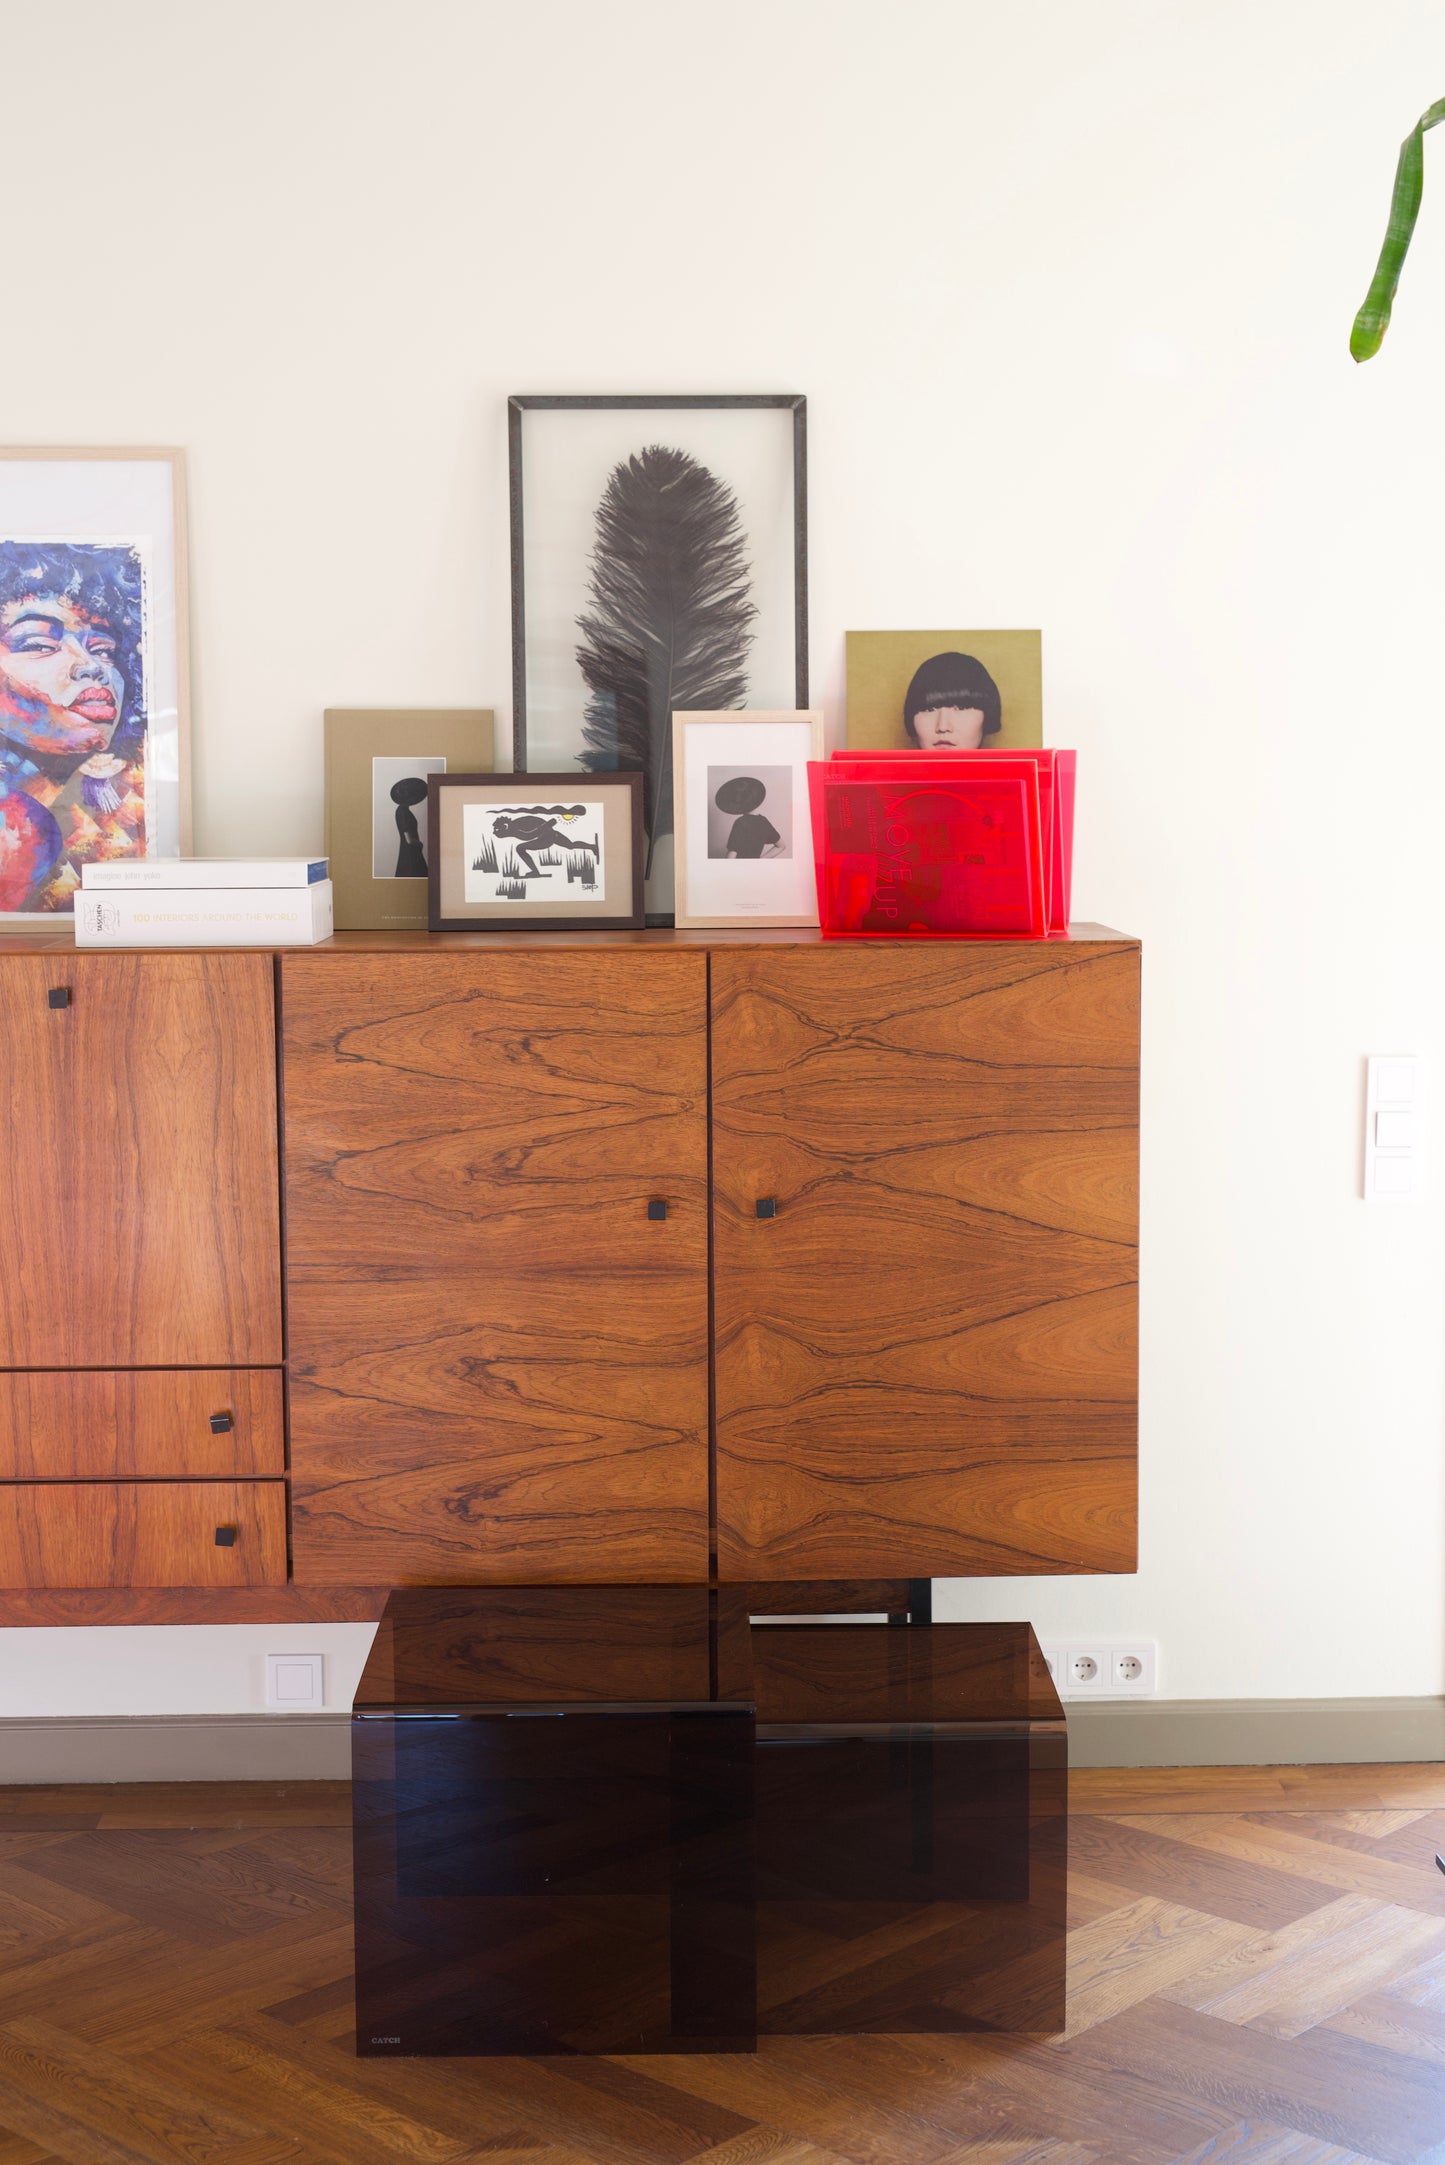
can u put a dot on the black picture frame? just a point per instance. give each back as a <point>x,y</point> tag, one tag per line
<point>511,785</point>
<point>522,403</point>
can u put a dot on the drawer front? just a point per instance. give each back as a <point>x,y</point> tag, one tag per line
<point>116,1424</point>
<point>142,1533</point>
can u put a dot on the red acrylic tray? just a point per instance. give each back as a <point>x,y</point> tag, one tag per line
<point>934,849</point>
<point>1056,770</point>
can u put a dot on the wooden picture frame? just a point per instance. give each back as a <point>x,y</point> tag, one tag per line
<point>368,753</point>
<point>493,892</point>
<point>714,734</point>
<point>126,541</point>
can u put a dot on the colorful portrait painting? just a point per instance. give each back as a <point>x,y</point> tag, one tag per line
<point>72,715</point>
<point>93,679</point>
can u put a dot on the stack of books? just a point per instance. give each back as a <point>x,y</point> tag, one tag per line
<point>204,902</point>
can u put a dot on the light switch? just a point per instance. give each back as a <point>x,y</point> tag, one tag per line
<point>294,1681</point>
<point>1394,1081</point>
<point>1392,1126</point>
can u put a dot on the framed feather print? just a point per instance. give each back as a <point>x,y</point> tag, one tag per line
<point>659,564</point>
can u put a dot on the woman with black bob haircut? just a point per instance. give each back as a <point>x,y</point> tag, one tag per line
<point>952,705</point>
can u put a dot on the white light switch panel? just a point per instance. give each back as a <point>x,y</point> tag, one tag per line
<point>1392,1127</point>
<point>295,1681</point>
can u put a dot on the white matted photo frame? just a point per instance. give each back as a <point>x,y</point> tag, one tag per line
<point>535,852</point>
<point>94,668</point>
<point>744,836</point>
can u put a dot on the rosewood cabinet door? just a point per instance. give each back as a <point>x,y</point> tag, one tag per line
<point>498,1358</point>
<point>139,1182</point>
<point>925,1357</point>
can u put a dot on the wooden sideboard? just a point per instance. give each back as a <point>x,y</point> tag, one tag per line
<point>643,1256</point>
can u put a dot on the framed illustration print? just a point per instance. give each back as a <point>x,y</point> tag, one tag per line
<point>94,708</point>
<point>535,852</point>
<point>659,561</point>
<point>744,834</point>
<point>956,691</point>
<point>378,762</point>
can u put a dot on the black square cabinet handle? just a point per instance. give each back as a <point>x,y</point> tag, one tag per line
<point>225,1537</point>
<point>656,1209</point>
<point>766,1206</point>
<point>58,996</point>
<point>220,1424</point>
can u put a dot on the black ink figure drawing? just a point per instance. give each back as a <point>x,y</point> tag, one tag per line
<point>411,856</point>
<point>526,831</point>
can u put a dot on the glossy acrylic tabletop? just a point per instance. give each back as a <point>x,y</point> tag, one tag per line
<point>559,1646</point>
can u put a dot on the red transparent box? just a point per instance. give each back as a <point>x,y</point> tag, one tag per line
<point>1056,771</point>
<point>928,847</point>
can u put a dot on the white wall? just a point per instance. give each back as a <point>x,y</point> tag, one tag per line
<point>1068,285</point>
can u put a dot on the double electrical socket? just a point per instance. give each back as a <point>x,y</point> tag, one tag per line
<point>1090,1669</point>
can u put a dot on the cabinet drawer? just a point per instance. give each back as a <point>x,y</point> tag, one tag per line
<point>107,1424</point>
<point>142,1533</point>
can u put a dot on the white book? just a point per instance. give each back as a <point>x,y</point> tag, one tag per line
<point>204,872</point>
<point>204,917</point>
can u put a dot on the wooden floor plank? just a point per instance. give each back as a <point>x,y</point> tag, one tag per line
<point>1257,1789</point>
<point>100,2109</point>
<point>1183,1872</point>
<point>1285,1982</point>
<point>1338,2089</point>
<point>175,1984</point>
<point>1258,2143</point>
<point>1279,1845</point>
<point>1418,2032</point>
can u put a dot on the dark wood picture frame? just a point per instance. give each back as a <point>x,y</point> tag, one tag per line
<point>511,785</point>
<point>524,402</point>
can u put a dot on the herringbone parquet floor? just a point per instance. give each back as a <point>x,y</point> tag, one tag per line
<point>1258,1977</point>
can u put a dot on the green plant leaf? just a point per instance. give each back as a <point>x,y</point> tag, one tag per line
<point>1374,317</point>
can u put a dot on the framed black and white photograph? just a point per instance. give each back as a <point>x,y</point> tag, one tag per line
<point>535,852</point>
<point>94,706</point>
<point>744,832</point>
<point>378,763</point>
<point>659,563</point>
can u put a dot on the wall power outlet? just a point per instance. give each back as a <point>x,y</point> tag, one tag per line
<point>1103,1669</point>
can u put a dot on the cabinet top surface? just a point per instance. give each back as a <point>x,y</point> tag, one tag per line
<point>43,940</point>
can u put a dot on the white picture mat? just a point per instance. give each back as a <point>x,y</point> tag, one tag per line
<point>760,887</point>
<point>567,456</point>
<point>99,499</point>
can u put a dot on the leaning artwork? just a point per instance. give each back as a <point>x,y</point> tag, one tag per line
<point>73,714</point>
<point>536,852</point>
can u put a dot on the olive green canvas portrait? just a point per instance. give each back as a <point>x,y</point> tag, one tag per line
<point>944,690</point>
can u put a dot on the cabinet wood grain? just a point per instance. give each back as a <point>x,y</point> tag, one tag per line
<point>139,1205</point>
<point>142,1533</point>
<point>98,1424</point>
<point>499,1362</point>
<point>926,1358</point>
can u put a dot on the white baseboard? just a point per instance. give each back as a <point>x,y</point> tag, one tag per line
<point>178,1748</point>
<point>1255,1732</point>
<point>1113,1733</point>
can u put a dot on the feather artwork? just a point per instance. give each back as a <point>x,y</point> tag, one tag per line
<point>670,622</point>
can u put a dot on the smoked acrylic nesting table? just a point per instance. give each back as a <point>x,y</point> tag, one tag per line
<point>626,1819</point>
